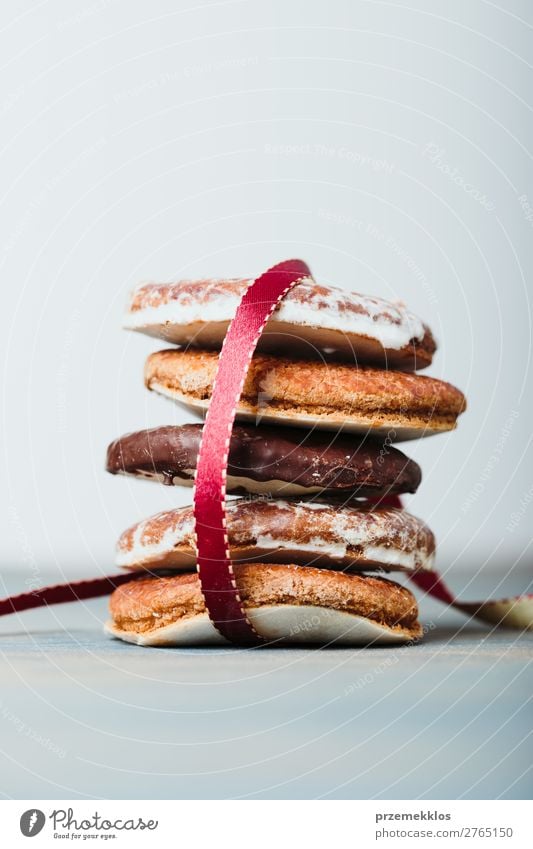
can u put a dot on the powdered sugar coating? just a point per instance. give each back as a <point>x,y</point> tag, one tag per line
<point>166,309</point>
<point>332,535</point>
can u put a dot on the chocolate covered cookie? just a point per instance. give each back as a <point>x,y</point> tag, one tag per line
<point>280,461</point>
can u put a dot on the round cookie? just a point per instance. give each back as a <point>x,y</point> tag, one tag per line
<point>280,461</point>
<point>311,320</point>
<point>287,604</point>
<point>327,535</point>
<point>305,393</point>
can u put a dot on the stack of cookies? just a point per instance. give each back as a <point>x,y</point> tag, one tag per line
<point>312,466</point>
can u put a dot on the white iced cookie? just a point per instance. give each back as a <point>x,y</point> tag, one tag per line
<point>312,320</point>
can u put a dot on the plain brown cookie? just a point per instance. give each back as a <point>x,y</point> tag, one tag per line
<point>331,396</point>
<point>370,608</point>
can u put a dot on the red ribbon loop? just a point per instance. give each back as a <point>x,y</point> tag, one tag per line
<point>213,557</point>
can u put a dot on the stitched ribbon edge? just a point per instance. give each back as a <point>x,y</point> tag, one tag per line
<point>214,565</point>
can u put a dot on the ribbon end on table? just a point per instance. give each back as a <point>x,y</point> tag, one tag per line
<point>512,613</point>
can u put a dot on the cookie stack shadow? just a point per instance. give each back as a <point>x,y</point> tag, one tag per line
<point>313,470</point>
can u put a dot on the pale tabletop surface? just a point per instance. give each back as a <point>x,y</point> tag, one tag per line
<point>85,716</point>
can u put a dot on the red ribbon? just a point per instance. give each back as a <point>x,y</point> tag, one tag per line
<point>429,582</point>
<point>515,612</point>
<point>61,593</point>
<point>213,556</point>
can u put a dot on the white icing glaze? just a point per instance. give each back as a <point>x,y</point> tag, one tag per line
<point>233,481</point>
<point>373,323</point>
<point>352,423</point>
<point>350,535</point>
<point>284,622</point>
<point>264,487</point>
<point>140,550</point>
<point>391,556</point>
<point>317,545</point>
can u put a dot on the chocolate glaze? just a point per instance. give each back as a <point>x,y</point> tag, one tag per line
<point>337,464</point>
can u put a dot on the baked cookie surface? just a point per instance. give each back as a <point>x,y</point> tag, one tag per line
<point>303,393</point>
<point>285,603</point>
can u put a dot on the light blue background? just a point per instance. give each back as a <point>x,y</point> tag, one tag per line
<point>386,143</point>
